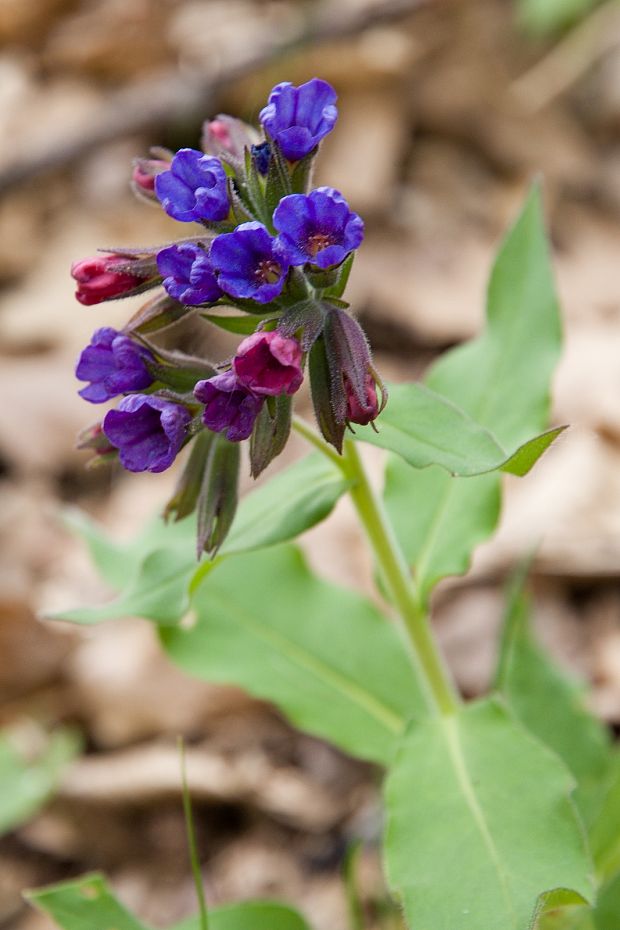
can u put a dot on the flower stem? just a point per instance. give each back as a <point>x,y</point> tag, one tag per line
<point>440,691</point>
<point>434,678</point>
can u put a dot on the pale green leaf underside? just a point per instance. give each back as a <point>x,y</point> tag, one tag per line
<point>501,379</point>
<point>425,429</point>
<point>155,570</point>
<point>26,785</point>
<point>470,844</point>
<point>87,903</point>
<point>326,656</point>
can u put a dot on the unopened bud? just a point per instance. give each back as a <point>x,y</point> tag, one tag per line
<point>100,278</point>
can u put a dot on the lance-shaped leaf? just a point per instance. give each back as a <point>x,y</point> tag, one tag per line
<point>425,429</point>
<point>469,844</point>
<point>26,784</point>
<point>154,571</point>
<point>552,707</point>
<point>326,656</point>
<point>501,380</point>
<point>87,903</point>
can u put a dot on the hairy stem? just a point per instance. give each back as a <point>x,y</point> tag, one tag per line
<point>433,676</point>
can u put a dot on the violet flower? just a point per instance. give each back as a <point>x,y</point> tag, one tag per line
<point>268,363</point>
<point>297,118</point>
<point>147,430</point>
<point>114,364</point>
<point>194,189</point>
<point>98,279</point>
<point>230,408</point>
<point>188,275</point>
<point>249,263</point>
<point>318,228</point>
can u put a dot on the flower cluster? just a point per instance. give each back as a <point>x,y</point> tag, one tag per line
<point>266,245</point>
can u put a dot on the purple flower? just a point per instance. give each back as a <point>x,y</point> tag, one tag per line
<point>147,430</point>
<point>269,363</point>
<point>249,263</point>
<point>114,364</point>
<point>299,117</point>
<point>188,275</point>
<point>318,228</point>
<point>194,189</point>
<point>229,407</point>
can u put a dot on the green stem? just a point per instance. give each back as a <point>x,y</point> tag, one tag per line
<point>304,429</point>
<point>191,840</point>
<point>433,675</point>
<point>397,578</point>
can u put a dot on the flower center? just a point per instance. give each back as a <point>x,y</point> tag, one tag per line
<point>319,241</point>
<point>268,271</point>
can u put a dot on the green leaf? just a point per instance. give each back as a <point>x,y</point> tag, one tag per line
<point>294,500</point>
<point>544,17</point>
<point>155,570</point>
<point>605,915</point>
<point>119,562</point>
<point>26,785</point>
<point>242,324</point>
<point>501,379</point>
<point>605,828</point>
<point>326,656</point>
<point>425,429</point>
<point>480,823</point>
<point>87,903</point>
<point>84,904</point>
<point>251,915</point>
<point>158,591</point>
<point>563,910</point>
<point>607,909</point>
<point>552,706</point>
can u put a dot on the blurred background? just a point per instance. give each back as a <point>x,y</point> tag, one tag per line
<point>448,110</point>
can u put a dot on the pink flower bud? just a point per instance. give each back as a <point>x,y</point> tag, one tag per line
<point>268,363</point>
<point>145,170</point>
<point>226,135</point>
<point>98,279</point>
<point>357,412</point>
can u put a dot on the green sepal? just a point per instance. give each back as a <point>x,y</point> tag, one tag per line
<point>185,497</point>
<point>254,189</point>
<point>241,325</point>
<point>278,181</point>
<point>157,313</point>
<point>270,433</point>
<point>337,289</point>
<point>321,389</point>
<point>219,495</point>
<point>302,173</point>
<point>241,209</point>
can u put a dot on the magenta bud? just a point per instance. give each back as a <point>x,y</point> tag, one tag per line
<point>226,135</point>
<point>99,278</point>
<point>145,170</point>
<point>268,363</point>
<point>366,412</point>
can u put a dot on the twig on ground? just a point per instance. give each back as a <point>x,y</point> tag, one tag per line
<point>150,103</point>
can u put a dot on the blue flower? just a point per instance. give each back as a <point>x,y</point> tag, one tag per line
<point>318,228</point>
<point>249,263</point>
<point>114,364</point>
<point>147,430</point>
<point>194,189</point>
<point>188,275</point>
<point>299,117</point>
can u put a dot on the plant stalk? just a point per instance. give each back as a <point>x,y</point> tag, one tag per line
<point>440,691</point>
<point>434,678</point>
